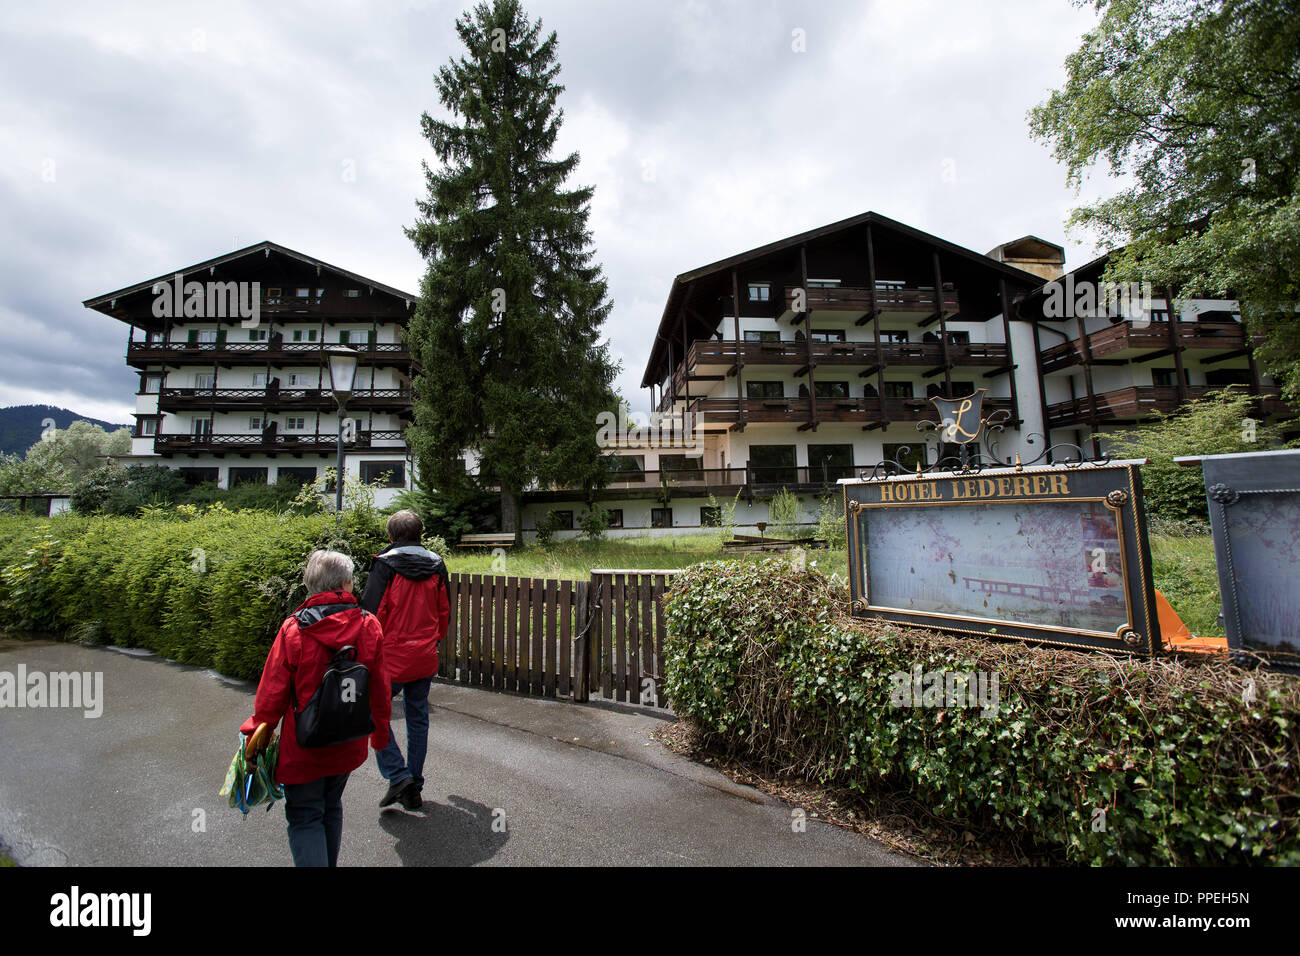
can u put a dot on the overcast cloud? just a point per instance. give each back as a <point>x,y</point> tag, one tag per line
<point>139,138</point>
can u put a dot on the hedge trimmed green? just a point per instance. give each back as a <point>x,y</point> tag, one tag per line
<point>211,590</point>
<point>1187,768</point>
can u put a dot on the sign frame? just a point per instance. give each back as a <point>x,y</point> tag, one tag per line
<point>1116,486</point>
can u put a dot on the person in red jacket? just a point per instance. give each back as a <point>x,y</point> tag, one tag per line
<point>314,777</point>
<point>407,590</point>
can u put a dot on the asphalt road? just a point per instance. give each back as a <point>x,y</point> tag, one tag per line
<point>573,784</point>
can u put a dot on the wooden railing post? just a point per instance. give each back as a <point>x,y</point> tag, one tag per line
<point>582,644</point>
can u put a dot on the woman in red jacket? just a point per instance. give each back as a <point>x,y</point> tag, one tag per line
<point>314,777</point>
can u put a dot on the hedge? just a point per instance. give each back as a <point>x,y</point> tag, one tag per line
<point>210,590</point>
<point>1184,763</point>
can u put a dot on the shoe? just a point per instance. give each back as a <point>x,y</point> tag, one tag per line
<point>411,798</point>
<point>396,791</point>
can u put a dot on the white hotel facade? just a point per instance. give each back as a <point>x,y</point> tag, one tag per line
<point>792,365</point>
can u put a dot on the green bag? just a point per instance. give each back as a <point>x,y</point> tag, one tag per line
<point>251,780</point>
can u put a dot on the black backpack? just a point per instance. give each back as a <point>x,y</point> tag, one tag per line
<point>339,711</point>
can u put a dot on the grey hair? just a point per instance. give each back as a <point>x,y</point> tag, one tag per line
<point>327,571</point>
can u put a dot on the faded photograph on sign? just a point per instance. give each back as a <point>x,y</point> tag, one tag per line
<point>1264,531</point>
<point>1041,564</point>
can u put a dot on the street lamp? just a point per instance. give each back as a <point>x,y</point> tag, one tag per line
<point>343,369</point>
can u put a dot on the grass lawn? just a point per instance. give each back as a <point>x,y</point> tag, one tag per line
<point>1183,567</point>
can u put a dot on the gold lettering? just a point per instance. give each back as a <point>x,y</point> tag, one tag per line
<point>1059,485</point>
<point>1022,486</point>
<point>988,488</point>
<point>956,490</point>
<point>1040,484</point>
<point>886,492</point>
<point>1004,487</point>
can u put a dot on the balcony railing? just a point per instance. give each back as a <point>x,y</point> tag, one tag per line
<point>799,410</point>
<point>241,399</point>
<point>1127,337</point>
<point>885,300</point>
<point>1140,401</point>
<point>270,443</point>
<point>703,481</point>
<point>258,353</point>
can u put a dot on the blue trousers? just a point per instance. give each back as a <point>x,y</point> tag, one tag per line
<point>415,700</point>
<point>315,814</point>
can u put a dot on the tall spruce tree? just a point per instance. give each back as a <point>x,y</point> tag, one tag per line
<point>508,329</point>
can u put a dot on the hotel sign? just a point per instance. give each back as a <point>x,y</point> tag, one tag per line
<point>1052,554</point>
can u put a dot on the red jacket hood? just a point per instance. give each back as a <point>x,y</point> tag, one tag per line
<point>329,617</point>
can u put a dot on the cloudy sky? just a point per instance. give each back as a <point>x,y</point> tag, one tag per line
<point>137,138</point>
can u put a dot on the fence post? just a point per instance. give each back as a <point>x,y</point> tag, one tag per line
<point>582,613</point>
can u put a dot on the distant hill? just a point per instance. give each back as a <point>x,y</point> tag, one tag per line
<point>20,425</point>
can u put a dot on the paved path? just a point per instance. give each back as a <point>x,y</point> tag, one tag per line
<point>577,784</point>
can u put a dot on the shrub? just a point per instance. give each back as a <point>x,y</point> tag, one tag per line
<point>594,523</point>
<point>209,590</point>
<point>547,525</point>
<point>784,511</point>
<point>830,521</point>
<point>763,658</point>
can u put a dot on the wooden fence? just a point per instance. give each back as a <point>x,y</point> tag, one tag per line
<point>601,638</point>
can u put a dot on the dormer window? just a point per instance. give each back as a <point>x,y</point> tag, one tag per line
<point>760,291</point>
<point>302,293</point>
<point>351,293</point>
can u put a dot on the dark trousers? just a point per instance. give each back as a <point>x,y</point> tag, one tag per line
<point>315,814</point>
<point>415,698</point>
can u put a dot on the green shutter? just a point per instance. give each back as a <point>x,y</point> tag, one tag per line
<point>192,336</point>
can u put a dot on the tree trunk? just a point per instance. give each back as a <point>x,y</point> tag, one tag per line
<point>511,519</point>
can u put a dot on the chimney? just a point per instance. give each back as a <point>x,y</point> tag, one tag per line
<point>1031,254</point>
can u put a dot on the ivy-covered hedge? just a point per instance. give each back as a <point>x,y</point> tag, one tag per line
<point>1087,757</point>
<point>208,589</point>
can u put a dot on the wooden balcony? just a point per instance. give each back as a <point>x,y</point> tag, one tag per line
<point>271,443</point>
<point>1141,401</point>
<point>142,354</point>
<point>798,411</point>
<point>280,399</point>
<point>701,482</point>
<point>863,302</point>
<point>1126,340</point>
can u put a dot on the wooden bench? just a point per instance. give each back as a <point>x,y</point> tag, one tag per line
<point>486,541</point>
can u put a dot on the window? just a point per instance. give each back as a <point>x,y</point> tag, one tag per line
<point>201,428</point>
<point>148,426</point>
<point>830,462</point>
<point>302,380</point>
<point>1166,377</point>
<point>681,467</point>
<point>198,476</point>
<point>769,464</point>
<point>764,389</point>
<point>304,335</point>
<point>832,389</point>
<point>915,454</point>
<point>897,338</point>
<point>255,423</point>
<point>626,467</point>
<point>302,293</point>
<point>259,380</point>
<point>898,390</point>
<point>345,336</point>
<point>241,476</point>
<point>205,335</point>
<point>762,336</point>
<point>661,517</point>
<point>151,385</point>
<point>257,335</point>
<point>1228,376</point>
<point>828,335</point>
<point>615,517</point>
<point>390,474</point>
<point>760,291</point>
<point>710,517</point>
<point>299,476</point>
<point>295,424</point>
<point>823,283</point>
<point>563,520</point>
<point>205,379</point>
<point>320,293</point>
<point>959,338</point>
<point>351,293</point>
<point>959,388</point>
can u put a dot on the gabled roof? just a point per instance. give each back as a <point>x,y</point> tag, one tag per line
<point>101,303</point>
<point>686,278</point>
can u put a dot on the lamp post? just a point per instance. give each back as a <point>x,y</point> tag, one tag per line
<point>343,369</point>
